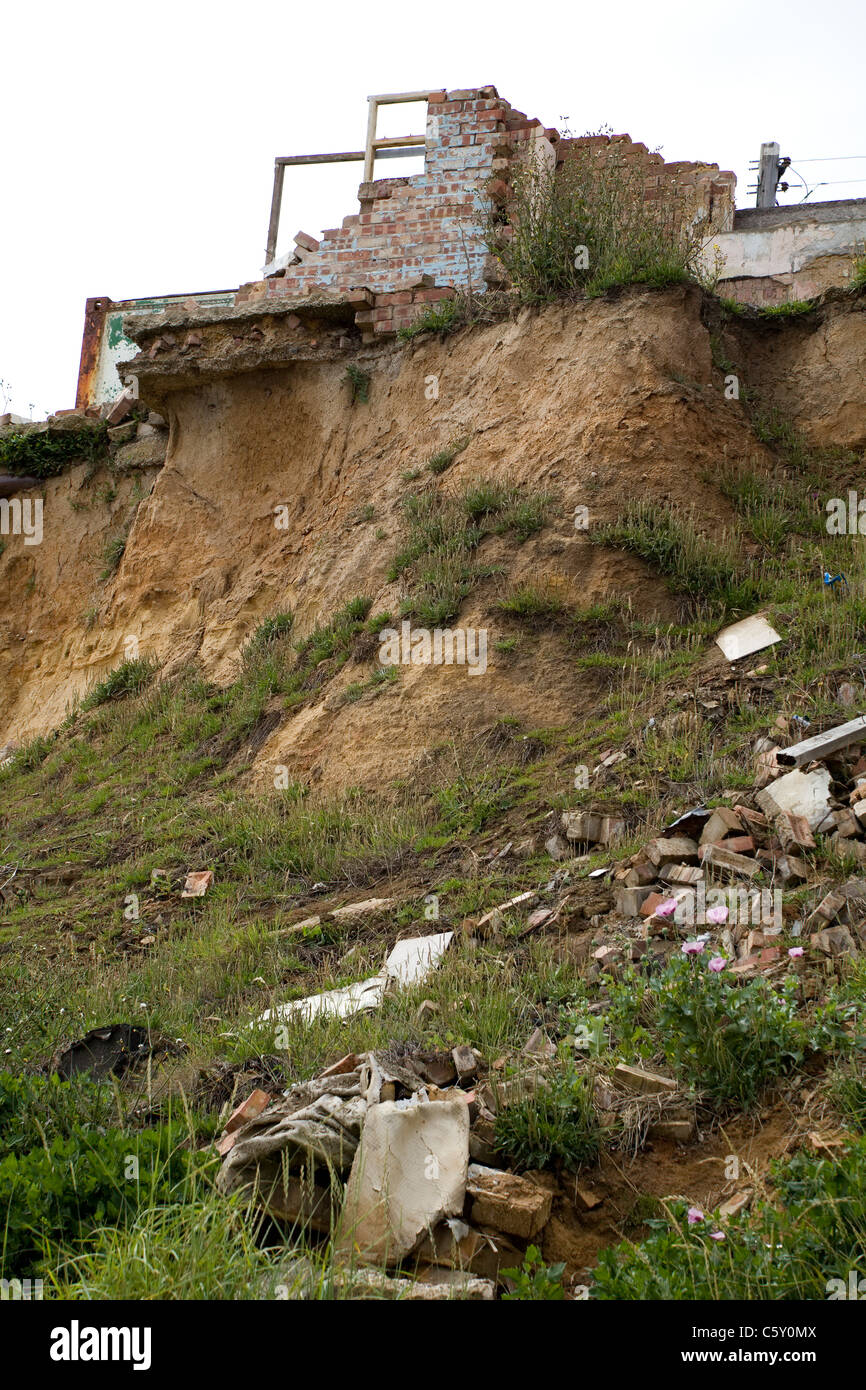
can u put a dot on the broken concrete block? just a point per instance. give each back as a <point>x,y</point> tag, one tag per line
<point>675,1131</point>
<point>671,849</point>
<point>792,869</point>
<point>369,907</point>
<point>793,830</point>
<point>509,1203</point>
<point>806,794</point>
<point>734,1205</point>
<point>408,1174</point>
<point>722,822</point>
<point>646,1083</point>
<point>456,1284</point>
<point>835,941</point>
<point>120,408</point>
<point>254,1104</point>
<point>592,829</point>
<point>726,860</point>
<point>342,1003</point>
<point>846,823</point>
<point>650,904</point>
<point>640,875</point>
<point>628,901</point>
<point>680,873</point>
<point>557,847</point>
<point>465,1062</point>
<point>827,910</point>
<point>196,884</point>
<point>822,745</point>
<point>455,1245</point>
<point>142,453</point>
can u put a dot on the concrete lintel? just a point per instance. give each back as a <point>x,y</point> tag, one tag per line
<point>337,308</point>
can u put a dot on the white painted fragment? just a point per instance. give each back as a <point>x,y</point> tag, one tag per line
<point>803,793</point>
<point>412,959</point>
<point>743,638</point>
<point>339,1003</point>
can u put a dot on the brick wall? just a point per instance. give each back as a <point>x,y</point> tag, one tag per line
<point>417,239</point>
<point>695,187</point>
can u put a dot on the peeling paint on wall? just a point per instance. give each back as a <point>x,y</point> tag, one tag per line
<point>104,345</point>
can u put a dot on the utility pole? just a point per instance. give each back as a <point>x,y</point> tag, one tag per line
<point>770,168</point>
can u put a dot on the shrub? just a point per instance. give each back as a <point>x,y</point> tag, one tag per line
<point>556,1124</point>
<point>596,203</point>
<point>727,1038</point>
<point>534,1281</point>
<point>56,1192</point>
<point>444,458</point>
<point>531,603</point>
<point>45,453</point>
<point>359,382</point>
<point>269,632</point>
<point>442,316</point>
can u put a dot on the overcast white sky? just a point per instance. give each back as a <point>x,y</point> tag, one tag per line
<point>138,139</point>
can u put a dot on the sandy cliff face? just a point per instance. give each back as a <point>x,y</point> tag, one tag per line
<point>596,403</point>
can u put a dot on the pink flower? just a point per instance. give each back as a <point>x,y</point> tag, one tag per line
<point>694,1215</point>
<point>692,948</point>
<point>717,963</point>
<point>795,952</point>
<point>667,908</point>
<point>717,915</point>
<point>717,1235</point>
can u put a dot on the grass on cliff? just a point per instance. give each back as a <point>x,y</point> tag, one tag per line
<point>441,533</point>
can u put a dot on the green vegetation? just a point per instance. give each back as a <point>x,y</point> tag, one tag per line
<point>359,381</point>
<point>43,453</point>
<point>442,316</point>
<point>587,228</point>
<point>533,1281</point>
<point>556,1124</point>
<point>725,1037</point>
<point>438,462</point>
<point>112,555</point>
<point>791,309</point>
<point>129,678</point>
<point>442,532</point>
<point>800,1245</point>
<point>706,570</point>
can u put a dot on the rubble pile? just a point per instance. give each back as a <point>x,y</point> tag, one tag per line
<point>410,1134</point>
<point>721,870</point>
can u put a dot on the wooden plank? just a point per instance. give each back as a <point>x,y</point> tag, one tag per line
<point>276,204</point>
<point>369,153</point>
<point>822,745</point>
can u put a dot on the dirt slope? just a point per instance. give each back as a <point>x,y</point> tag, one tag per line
<point>596,403</point>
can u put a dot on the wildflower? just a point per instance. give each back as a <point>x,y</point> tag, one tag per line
<point>717,1235</point>
<point>692,948</point>
<point>717,915</point>
<point>795,952</point>
<point>717,963</point>
<point>667,908</point>
<point>694,1215</point>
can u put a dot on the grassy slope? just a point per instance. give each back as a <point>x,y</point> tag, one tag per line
<point>150,779</point>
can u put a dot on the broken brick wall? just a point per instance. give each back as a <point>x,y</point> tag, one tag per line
<point>697,189</point>
<point>416,238</point>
